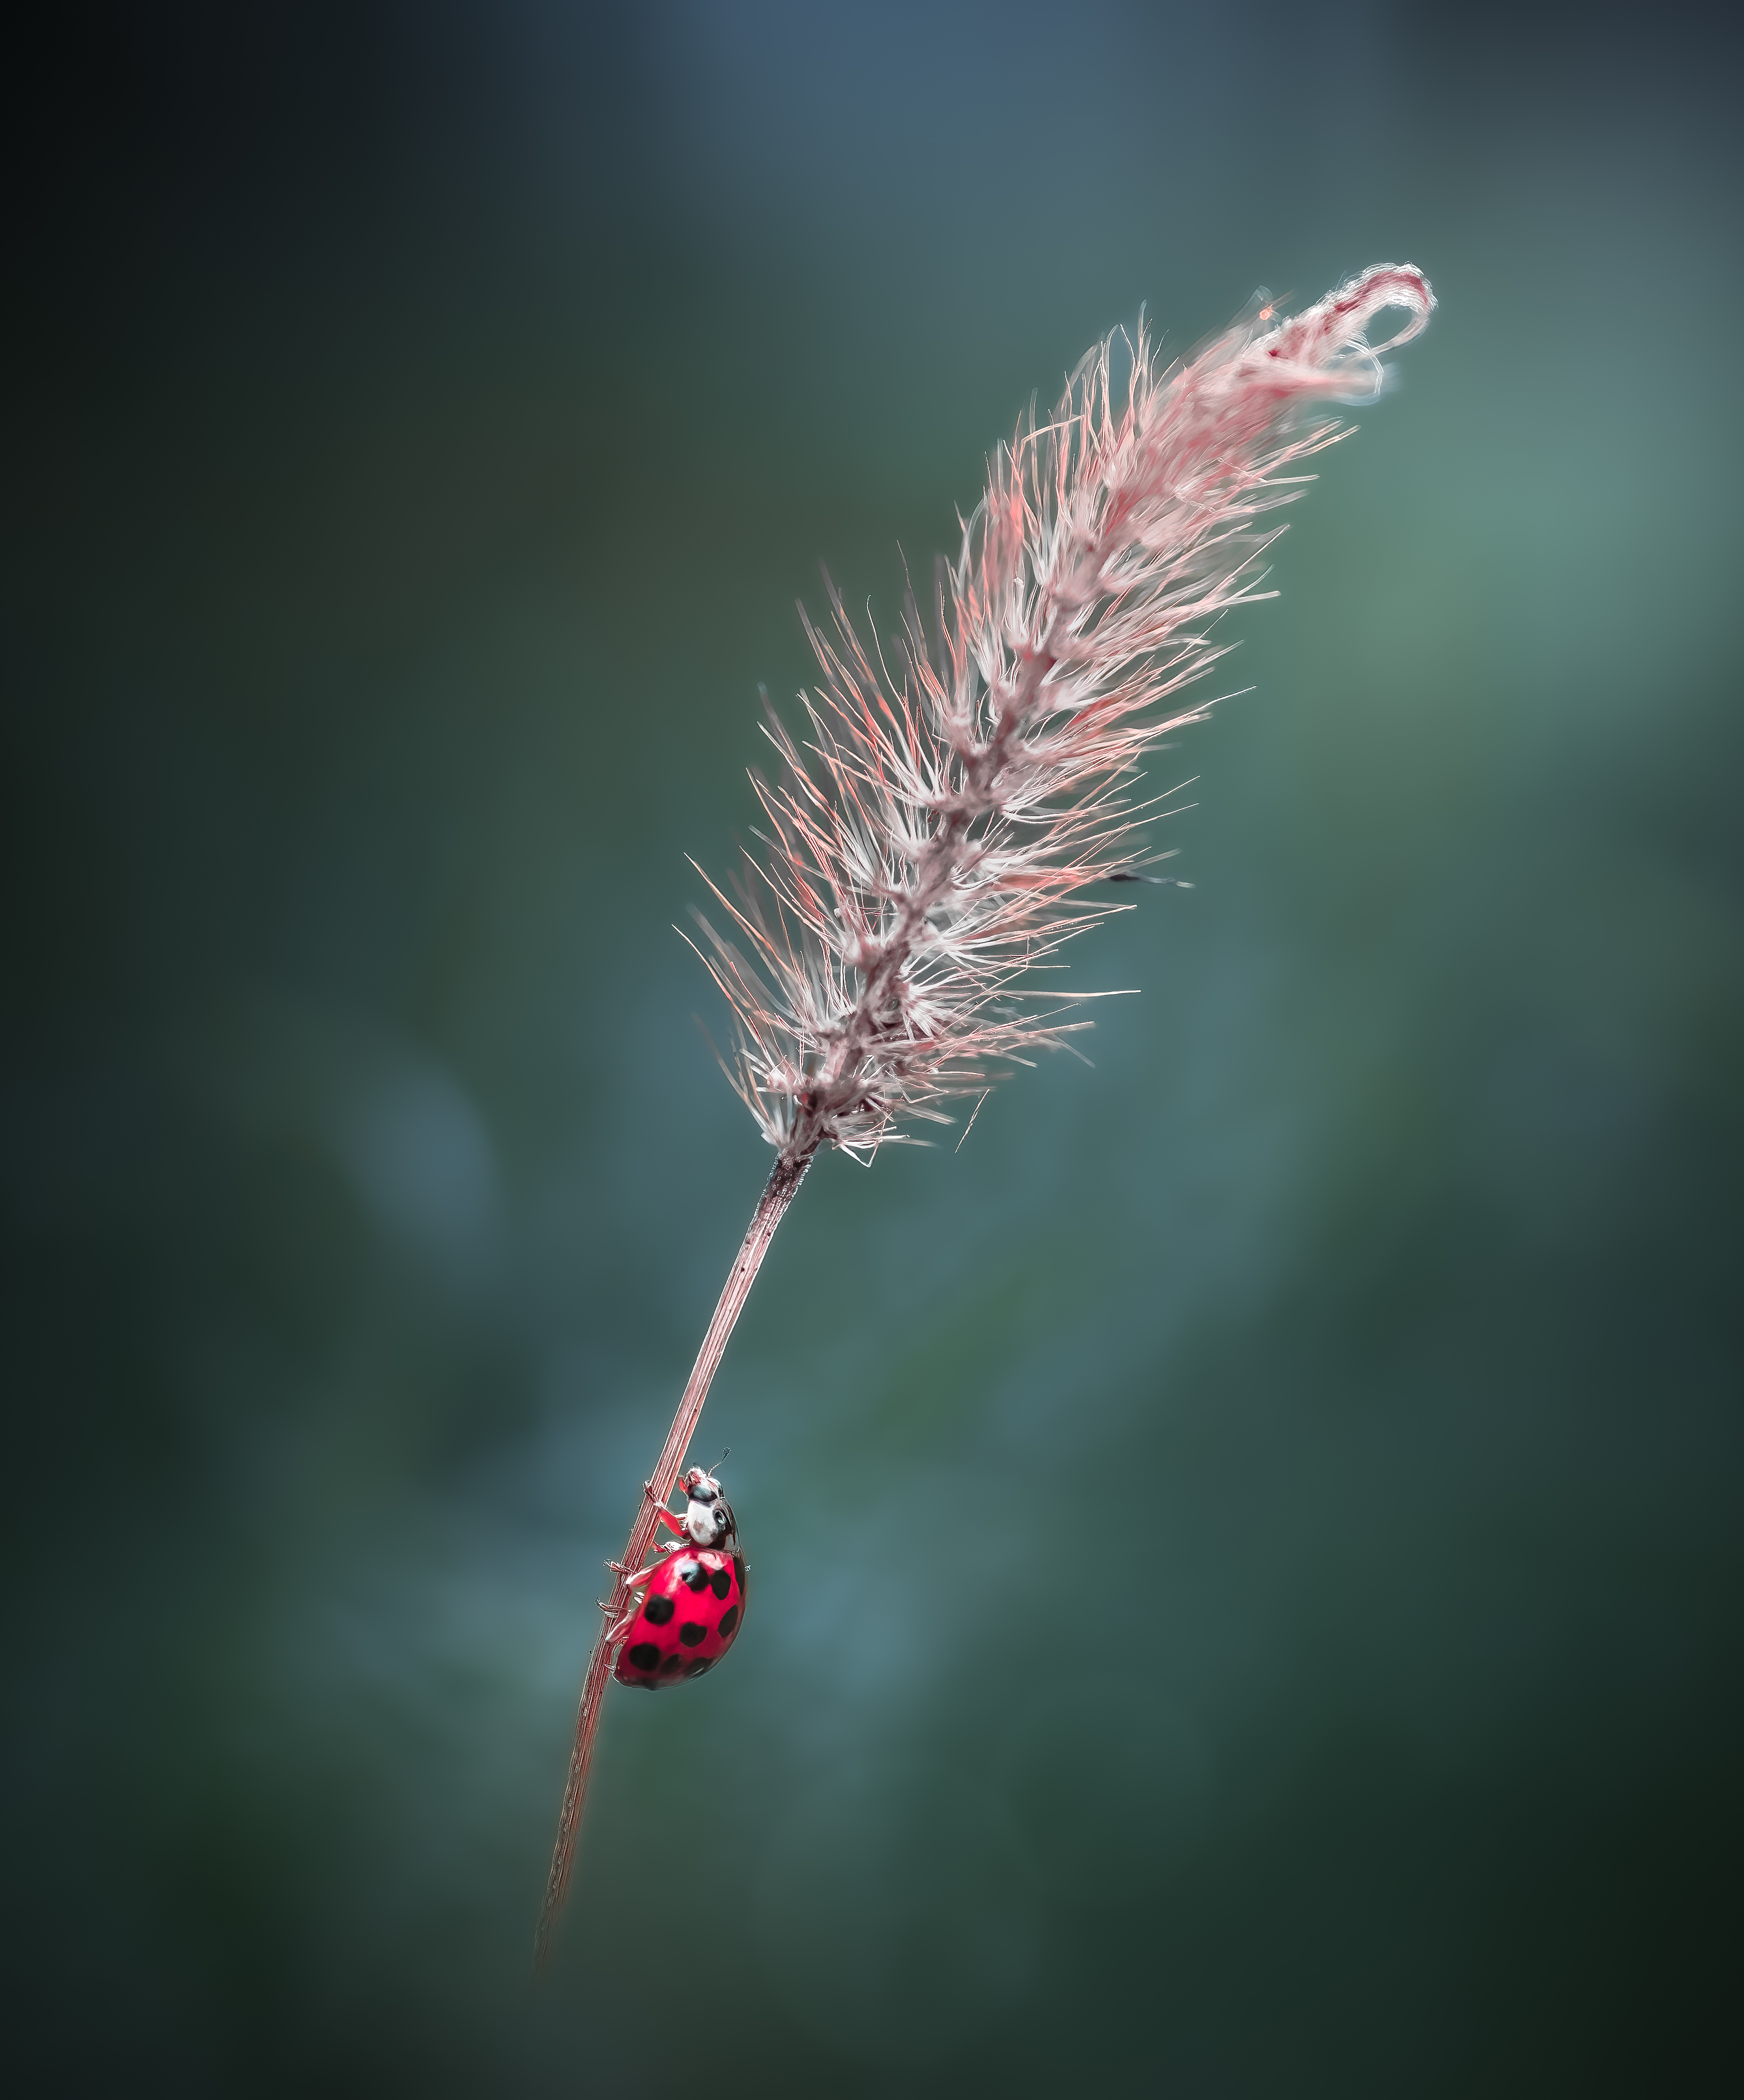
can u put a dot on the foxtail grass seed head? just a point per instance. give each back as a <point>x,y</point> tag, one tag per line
<point>935,829</point>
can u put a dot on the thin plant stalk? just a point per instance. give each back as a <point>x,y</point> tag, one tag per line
<point>782,1187</point>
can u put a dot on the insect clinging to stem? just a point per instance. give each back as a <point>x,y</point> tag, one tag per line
<point>692,1602</point>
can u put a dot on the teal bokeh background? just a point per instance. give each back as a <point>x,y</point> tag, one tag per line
<point>1246,1550</point>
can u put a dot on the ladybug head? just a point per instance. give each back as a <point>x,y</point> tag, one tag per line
<point>707,1518</point>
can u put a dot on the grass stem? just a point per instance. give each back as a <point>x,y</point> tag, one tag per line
<point>782,1187</point>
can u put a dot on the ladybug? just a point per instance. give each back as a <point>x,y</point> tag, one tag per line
<point>691,1612</point>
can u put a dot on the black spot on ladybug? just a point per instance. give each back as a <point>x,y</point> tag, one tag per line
<point>701,1664</point>
<point>658,1611</point>
<point>695,1576</point>
<point>692,1634</point>
<point>729,1619</point>
<point>720,1583</point>
<point>670,1664</point>
<point>644,1656</point>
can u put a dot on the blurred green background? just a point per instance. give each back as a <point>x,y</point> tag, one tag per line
<point>1247,1550</point>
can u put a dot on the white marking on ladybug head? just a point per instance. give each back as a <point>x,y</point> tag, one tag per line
<point>708,1523</point>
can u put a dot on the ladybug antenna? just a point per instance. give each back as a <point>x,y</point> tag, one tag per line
<point>727,1455</point>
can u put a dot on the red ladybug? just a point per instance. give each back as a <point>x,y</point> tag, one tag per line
<point>691,1612</point>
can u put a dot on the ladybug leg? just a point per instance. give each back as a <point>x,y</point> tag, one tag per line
<point>665,1515</point>
<point>616,1633</point>
<point>631,1579</point>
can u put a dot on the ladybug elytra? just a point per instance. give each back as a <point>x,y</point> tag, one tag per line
<point>690,1611</point>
